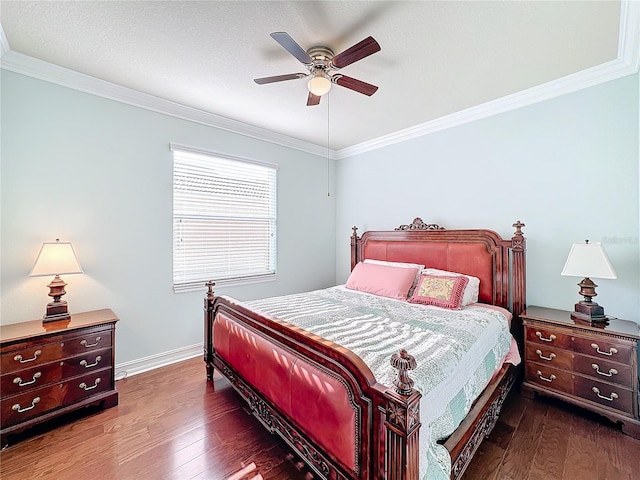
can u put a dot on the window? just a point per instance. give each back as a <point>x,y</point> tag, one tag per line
<point>224,219</point>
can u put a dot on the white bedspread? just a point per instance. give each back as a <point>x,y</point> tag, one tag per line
<point>457,351</point>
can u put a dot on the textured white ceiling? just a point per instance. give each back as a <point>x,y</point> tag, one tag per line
<point>437,57</point>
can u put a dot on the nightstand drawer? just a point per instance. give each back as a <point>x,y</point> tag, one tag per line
<point>87,362</point>
<point>89,341</point>
<point>14,360</point>
<point>31,404</point>
<point>549,355</point>
<point>604,370</point>
<point>90,384</point>
<point>603,348</point>
<point>547,336</point>
<point>549,377</point>
<point>30,378</point>
<point>606,394</point>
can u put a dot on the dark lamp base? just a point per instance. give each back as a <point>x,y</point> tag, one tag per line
<point>56,311</point>
<point>589,312</point>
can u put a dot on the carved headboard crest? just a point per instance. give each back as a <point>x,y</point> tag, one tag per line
<point>418,224</point>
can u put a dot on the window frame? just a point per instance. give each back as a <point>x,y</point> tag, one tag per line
<point>267,223</point>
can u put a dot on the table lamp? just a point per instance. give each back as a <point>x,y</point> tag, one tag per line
<point>588,260</point>
<point>56,258</point>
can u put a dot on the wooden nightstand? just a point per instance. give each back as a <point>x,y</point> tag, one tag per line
<point>54,368</point>
<point>595,367</point>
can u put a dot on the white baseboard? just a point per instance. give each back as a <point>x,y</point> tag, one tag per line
<point>152,362</point>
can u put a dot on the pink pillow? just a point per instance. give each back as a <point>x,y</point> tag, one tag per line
<point>383,280</point>
<point>441,291</point>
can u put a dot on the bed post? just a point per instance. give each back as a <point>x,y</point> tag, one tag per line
<point>208,329</point>
<point>354,248</point>
<point>402,422</point>
<point>518,276</point>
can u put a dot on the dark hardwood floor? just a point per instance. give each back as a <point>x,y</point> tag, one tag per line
<point>171,424</point>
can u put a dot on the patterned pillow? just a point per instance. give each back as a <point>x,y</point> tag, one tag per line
<point>471,291</point>
<point>440,291</point>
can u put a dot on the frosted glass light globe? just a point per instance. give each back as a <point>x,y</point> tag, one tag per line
<point>319,85</point>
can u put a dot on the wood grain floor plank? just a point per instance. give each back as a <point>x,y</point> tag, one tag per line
<point>551,452</point>
<point>492,455</point>
<point>621,452</point>
<point>583,451</point>
<point>501,435</point>
<point>516,463</point>
<point>513,409</point>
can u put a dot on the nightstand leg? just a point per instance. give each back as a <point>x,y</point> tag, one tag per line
<point>527,392</point>
<point>631,428</point>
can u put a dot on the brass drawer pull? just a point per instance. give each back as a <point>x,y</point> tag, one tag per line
<point>20,383</point>
<point>551,378</point>
<point>613,396</point>
<point>549,358</point>
<point>85,387</point>
<point>17,408</point>
<point>36,354</point>
<point>551,338</point>
<point>84,342</point>
<point>611,351</point>
<point>611,373</point>
<point>89,365</point>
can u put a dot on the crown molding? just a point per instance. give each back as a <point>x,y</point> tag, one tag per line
<point>569,84</point>
<point>4,43</point>
<point>627,63</point>
<point>35,68</point>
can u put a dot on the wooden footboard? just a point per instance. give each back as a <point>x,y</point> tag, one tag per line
<point>386,438</point>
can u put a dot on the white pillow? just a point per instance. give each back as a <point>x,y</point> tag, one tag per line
<point>395,264</point>
<point>471,291</point>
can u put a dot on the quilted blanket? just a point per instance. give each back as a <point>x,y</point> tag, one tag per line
<point>457,351</point>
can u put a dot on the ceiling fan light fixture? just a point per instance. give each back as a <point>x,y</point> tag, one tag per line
<point>319,84</point>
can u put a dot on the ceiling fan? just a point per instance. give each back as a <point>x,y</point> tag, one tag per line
<point>320,62</point>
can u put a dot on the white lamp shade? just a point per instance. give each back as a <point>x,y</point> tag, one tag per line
<point>56,258</point>
<point>588,260</point>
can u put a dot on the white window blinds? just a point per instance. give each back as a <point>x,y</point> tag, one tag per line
<point>224,219</point>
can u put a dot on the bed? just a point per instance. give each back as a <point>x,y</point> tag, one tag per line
<point>324,400</point>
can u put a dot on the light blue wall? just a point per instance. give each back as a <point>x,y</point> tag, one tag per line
<point>98,173</point>
<point>567,167</point>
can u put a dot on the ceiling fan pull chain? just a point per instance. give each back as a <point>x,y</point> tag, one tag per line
<point>328,162</point>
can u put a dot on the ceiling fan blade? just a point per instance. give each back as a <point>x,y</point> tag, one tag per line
<point>313,100</point>
<point>292,47</point>
<point>360,50</point>
<point>354,84</point>
<point>279,78</point>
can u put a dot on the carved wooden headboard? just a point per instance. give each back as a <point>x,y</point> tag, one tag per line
<point>498,263</point>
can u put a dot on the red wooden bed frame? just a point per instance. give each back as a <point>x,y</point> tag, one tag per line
<point>387,422</point>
